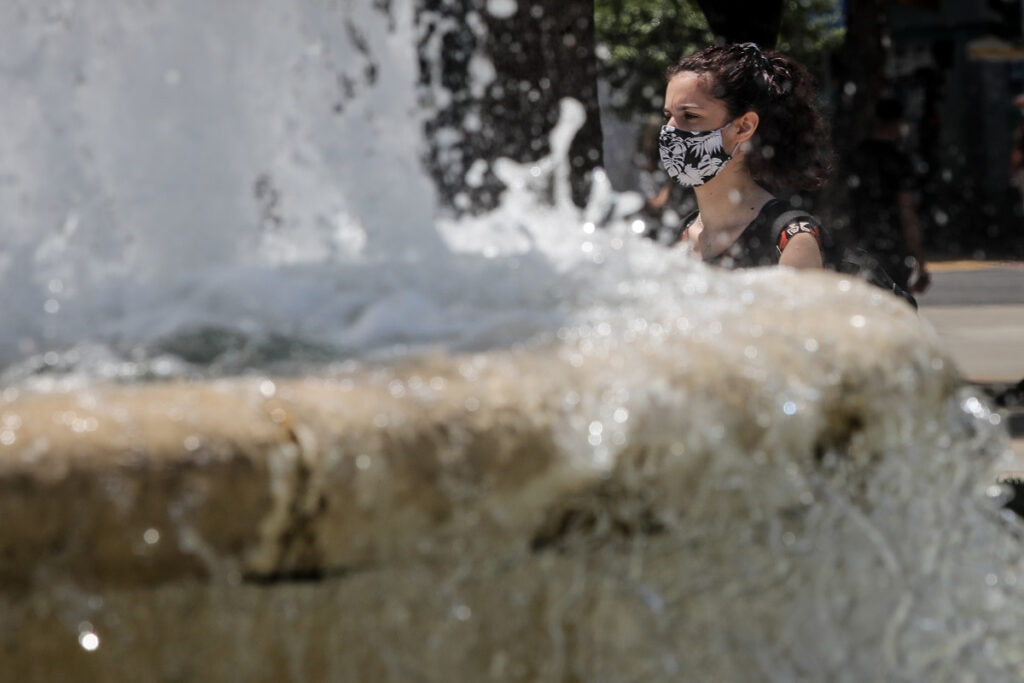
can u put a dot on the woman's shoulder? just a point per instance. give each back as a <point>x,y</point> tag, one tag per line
<point>782,215</point>
<point>782,221</point>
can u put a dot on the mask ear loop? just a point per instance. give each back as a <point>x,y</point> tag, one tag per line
<point>733,153</point>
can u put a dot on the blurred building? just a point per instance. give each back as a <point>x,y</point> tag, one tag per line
<point>957,65</point>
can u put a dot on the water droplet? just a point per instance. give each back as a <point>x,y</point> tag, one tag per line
<point>974,407</point>
<point>789,408</point>
<point>472,404</point>
<point>811,345</point>
<point>267,388</point>
<point>363,461</point>
<point>151,536</point>
<point>462,612</point>
<point>620,415</point>
<point>638,227</point>
<point>843,286</point>
<point>89,641</point>
<point>858,321</point>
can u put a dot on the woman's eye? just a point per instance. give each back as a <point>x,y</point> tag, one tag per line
<point>690,117</point>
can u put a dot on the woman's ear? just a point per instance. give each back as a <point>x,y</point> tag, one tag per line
<point>746,126</point>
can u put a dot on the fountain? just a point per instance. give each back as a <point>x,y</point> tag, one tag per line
<point>268,413</point>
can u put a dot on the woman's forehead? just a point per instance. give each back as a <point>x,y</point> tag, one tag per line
<point>689,87</point>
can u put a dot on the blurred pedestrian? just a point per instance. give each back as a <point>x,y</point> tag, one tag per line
<point>1017,151</point>
<point>883,212</point>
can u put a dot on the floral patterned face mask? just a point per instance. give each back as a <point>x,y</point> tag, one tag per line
<point>692,158</point>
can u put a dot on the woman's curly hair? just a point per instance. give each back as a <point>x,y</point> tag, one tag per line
<point>790,149</point>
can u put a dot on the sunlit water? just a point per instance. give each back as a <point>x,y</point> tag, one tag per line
<point>202,192</point>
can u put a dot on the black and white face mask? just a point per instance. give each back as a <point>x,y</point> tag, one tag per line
<point>692,158</point>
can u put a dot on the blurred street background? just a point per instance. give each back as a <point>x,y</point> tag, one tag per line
<point>977,307</point>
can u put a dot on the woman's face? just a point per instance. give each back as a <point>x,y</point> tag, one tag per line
<point>689,106</point>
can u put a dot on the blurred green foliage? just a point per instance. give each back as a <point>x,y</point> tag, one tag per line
<point>638,39</point>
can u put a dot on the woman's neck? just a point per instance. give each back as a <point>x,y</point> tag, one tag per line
<point>727,204</point>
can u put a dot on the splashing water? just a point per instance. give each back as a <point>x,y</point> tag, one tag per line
<point>743,491</point>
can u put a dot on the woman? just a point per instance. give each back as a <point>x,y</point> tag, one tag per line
<point>740,123</point>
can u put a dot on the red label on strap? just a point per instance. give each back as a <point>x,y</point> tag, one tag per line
<point>794,229</point>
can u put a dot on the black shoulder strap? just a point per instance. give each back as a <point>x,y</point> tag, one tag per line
<point>787,218</point>
<point>781,215</point>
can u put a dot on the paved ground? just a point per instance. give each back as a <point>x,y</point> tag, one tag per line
<point>967,283</point>
<point>977,307</point>
<point>987,341</point>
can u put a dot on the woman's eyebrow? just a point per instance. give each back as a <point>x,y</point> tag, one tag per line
<point>681,107</point>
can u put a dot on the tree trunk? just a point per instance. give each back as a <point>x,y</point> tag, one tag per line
<point>541,51</point>
<point>742,21</point>
<point>859,79</point>
<point>862,69</point>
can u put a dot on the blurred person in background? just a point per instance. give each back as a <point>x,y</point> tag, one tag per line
<point>883,210</point>
<point>1017,151</point>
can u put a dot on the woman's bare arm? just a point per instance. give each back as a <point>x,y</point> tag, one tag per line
<point>801,251</point>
